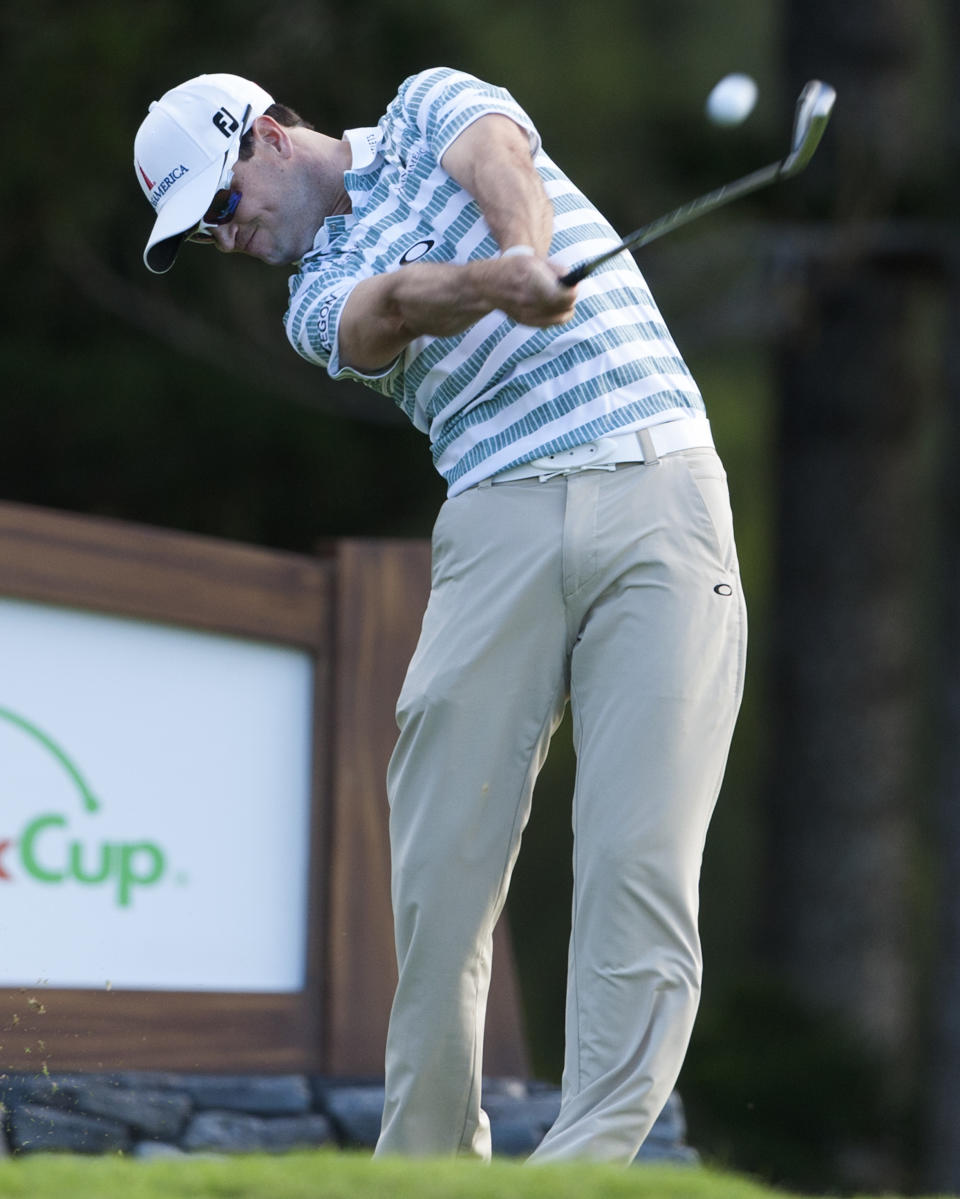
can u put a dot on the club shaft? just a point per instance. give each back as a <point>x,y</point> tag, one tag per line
<point>679,216</point>
<point>810,119</point>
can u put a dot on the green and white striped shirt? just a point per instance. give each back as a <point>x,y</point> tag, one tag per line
<point>499,393</point>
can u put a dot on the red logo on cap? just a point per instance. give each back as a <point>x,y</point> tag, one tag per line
<point>146,178</point>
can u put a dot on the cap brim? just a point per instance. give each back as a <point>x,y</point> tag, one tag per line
<point>160,257</point>
<point>178,216</point>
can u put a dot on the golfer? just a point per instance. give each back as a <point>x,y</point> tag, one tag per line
<point>584,554</point>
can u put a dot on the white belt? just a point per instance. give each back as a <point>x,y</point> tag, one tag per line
<point>643,445</point>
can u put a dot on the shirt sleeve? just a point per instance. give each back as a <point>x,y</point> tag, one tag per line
<point>437,105</point>
<point>313,316</point>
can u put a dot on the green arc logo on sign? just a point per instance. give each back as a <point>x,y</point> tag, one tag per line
<point>90,801</point>
<point>47,858</point>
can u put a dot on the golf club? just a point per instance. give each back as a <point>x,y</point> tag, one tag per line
<point>814,106</point>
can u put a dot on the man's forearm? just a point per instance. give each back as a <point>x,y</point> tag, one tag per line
<point>491,160</point>
<point>386,312</point>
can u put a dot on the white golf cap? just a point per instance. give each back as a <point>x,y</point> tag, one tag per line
<point>187,142</point>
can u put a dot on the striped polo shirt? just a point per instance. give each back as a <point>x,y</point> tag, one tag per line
<point>499,393</point>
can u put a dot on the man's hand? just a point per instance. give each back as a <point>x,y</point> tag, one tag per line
<point>528,290</point>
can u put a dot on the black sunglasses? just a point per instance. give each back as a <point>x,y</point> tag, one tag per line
<point>222,207</point>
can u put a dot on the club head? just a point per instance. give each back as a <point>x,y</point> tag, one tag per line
<point>812,114</point>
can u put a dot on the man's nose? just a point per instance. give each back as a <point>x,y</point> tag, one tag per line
<point>225,237</point>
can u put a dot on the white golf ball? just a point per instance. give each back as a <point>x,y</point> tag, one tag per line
<point>732,100</point>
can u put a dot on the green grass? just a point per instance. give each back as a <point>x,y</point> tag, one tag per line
<point>335,1175</point>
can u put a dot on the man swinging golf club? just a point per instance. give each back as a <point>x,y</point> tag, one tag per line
<point>584,553</point>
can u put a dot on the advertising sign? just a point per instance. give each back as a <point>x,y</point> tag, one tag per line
<point>154,805</point>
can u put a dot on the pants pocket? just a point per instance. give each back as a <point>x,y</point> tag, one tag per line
<point>709,480</point>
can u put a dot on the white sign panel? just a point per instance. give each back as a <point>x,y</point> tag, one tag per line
<point>154,805</point>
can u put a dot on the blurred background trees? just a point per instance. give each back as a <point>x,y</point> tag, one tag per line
<point>822,322</point>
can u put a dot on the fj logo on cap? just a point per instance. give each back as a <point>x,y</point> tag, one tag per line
<point>226,122</point>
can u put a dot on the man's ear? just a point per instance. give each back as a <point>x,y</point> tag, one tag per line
<point>273,135</point>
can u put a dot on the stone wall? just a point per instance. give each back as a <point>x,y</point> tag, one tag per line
<point>155,1114</point>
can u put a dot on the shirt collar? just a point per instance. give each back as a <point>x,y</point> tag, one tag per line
<point>364,144</point>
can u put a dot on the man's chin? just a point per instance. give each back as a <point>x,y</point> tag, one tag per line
<point>278,256</point>
<point>272,257</point>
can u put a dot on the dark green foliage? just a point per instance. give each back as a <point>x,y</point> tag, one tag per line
<point>783,1092</point>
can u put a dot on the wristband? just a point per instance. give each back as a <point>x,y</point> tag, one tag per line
<point>516,251</point>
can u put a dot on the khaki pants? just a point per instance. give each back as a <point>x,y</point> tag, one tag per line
<point>620,591</point>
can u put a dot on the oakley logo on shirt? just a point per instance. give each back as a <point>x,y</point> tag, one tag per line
<point>417,251</point>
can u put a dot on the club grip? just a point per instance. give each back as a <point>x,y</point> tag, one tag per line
<point>572,278</point>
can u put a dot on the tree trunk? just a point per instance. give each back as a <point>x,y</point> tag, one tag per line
<point>942,1140</point>
<point>854,507</point>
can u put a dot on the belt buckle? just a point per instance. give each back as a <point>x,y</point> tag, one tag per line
<point>564,461</point>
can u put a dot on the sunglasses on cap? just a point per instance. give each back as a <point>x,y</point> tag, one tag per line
<point>225,199</point>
